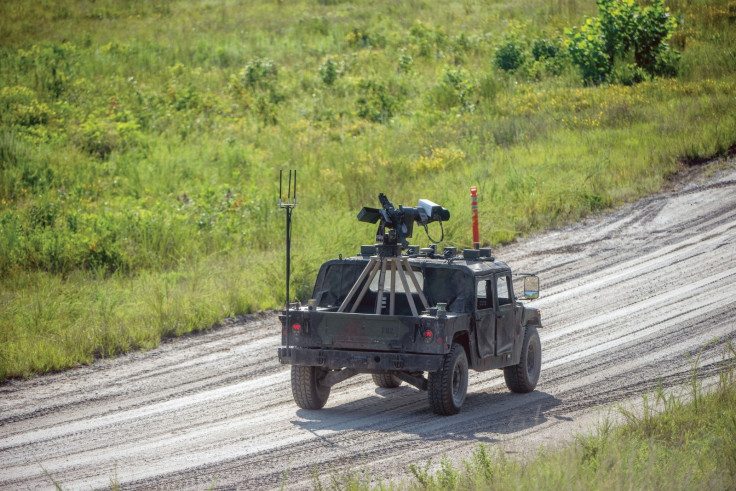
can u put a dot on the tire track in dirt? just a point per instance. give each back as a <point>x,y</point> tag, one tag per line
<point>625,296</point>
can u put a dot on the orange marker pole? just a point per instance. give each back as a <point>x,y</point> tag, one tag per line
<point>474,202</point>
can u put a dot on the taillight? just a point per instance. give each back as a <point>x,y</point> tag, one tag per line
<point>428,335</point>
<point>296,327</point>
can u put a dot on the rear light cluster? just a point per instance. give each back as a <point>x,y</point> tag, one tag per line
<point>296,328</point>
<point>428,335</point>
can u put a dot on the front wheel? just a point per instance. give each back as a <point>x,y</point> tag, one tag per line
<point>308,392</point>
<point>447,387</point>
<point>523,377</point>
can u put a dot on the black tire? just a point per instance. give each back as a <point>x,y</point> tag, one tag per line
<point>308,392</point>
<point>447,387</point>
<point>523,378</point>
<point>386,380</point>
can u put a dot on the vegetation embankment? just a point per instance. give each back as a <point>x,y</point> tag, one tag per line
<point>681,439</point>
<point>140,142</point>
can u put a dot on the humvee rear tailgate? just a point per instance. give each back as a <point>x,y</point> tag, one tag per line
<point>368,331</point>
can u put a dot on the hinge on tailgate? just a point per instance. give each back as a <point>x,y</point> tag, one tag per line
<point>398,363</point>
<point>321,358</point>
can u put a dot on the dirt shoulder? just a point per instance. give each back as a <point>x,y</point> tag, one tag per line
<point>625,296</point>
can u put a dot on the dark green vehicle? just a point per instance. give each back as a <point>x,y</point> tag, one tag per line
<point>400,315</point>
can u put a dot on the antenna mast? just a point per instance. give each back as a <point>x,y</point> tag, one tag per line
<point>288,203</point>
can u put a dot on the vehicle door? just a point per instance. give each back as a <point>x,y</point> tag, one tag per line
<point>485,318</point>
<point>503,306</point>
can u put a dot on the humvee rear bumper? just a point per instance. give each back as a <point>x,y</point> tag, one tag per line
<point>360,360</point>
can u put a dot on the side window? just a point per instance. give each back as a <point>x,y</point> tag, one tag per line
<point>484,295</point>
<point>502,287</point>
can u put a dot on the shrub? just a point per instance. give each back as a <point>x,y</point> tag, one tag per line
<point>426,40</point>
<point>261,74</point>
<point>510,54</point>
<point>549,57</point>
<point>654,27</point>
<point>587,49</point>
<point>257,90</point>
<point>97,137</point>
<point>330,70</point>
<point>54,66</point>
<point>19,106</point>
<point>456,88</point>
<point>544,49</point>
<point>265,106</point>
<point>182,98</point>
<point>376,103</point>
<point>625,72</point>
<point>358,38</point>
<point>405,62</point>
<point>624,29</point>
<point>100,135</point>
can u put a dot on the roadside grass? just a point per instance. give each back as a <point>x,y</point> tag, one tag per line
<point>140,146</point>
<point>85,317</point>
<point>675,440</point>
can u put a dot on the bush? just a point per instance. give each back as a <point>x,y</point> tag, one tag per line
<point>358,38</point>
<point>257,90</point>
<point>626,73</point>
<point>330,70</point>
<point>544,49</point>
<point>376,103</point>
<point>549,58</point>
<point>623,29</point>
<point>19,106</point>
<point>427,41</point>
<point>100,135</point>
<point>455,89</point>
<point>54,66</point>
<point>510,55</point>
<point>588,53</point>
<point>261,74</point>
<point>655,25</point>
<point>405,62</point>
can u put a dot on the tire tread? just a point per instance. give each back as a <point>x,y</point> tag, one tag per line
<point>305,387</point>
<point>440,384</point>
<point>516,375</point>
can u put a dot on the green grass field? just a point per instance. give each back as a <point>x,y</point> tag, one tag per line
<point>140,145</point>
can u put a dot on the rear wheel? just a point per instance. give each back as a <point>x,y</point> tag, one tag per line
<point>523,377</point>
<point>447,387</point>
<point>308,392</point>
<point>386,380</point>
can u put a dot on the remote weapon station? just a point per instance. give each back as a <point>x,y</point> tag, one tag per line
<point>410,315</point>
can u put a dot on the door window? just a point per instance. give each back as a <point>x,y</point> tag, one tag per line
<point>503,289</point>
<point>484,295</point>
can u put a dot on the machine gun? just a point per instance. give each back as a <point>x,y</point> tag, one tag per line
<point>397,225</point>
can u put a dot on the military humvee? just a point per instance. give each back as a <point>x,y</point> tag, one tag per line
<point>398,315</point>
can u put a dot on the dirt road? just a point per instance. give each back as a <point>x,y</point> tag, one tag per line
<point>625,296</point>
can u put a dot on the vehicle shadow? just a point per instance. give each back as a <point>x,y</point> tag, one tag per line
<point>406,410</point>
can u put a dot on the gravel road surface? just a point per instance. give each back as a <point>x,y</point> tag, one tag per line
<point>624,297</point>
